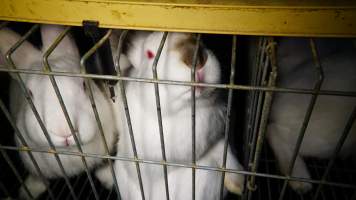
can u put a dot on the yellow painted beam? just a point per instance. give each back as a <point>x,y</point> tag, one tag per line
<point>292,17</point>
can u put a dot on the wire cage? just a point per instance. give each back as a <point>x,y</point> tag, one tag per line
<point>250,83</point>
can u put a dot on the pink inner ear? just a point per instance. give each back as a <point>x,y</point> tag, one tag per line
<point>150,54</point>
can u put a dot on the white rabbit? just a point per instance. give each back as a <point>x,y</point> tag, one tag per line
<point>174,64</point>
<point>75,96</point>
<point>330,114</point>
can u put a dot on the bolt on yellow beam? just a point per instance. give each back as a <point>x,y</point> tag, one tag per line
<point>292,17</point>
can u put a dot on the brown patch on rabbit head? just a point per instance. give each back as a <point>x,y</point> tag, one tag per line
<point>186,47</point>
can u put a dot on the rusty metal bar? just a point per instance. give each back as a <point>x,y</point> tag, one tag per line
<point>265,113</point>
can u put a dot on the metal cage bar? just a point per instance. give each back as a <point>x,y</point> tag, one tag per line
<point>94,107</point>
<point>228,113</point>
<point>193,110</point>
<point>217,169</point>
<point>264,116</point>
<point>188,83</point>
<point>127,111</point>
<point>159,115</point>
<point>317,86</point>
<point>28,97</point>
<point>47,66</point>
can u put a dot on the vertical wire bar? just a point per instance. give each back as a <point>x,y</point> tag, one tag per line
<point>252,108</point>
<point>256,121</point>
<point>256,80</point>
<point>48,68</point>
<point>96,114</point>
<point>265,113</point>
<point>317,86</point>
<point>193,70</point>
<point>338,147</point>
<point>159,114</point>
<point>25,145</point>
<point>228,113</point>
<point>16,173</point>
<point>28,97</point>
<point>127,112</point>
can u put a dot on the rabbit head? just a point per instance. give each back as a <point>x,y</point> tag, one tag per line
<point>175,62</point>
<point>73,90</point>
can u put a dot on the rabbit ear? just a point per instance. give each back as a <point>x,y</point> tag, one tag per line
<point>66,47</point>
<point>24,56</point>
<point>186,48</point>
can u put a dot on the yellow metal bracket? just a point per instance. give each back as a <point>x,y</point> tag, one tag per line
<point>289,17</point>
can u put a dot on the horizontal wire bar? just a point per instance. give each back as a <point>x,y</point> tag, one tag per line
<point>126,159</point>
<point>186,83</point>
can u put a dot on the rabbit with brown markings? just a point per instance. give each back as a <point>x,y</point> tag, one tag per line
<point>330,113</point>
<point>74,92</point>
<point>175,63</point>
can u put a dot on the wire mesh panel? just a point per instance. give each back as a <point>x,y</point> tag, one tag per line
<point>256,78</point>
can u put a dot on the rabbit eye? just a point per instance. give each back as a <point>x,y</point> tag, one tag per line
<point>150,54</point>
<point>84,86</point>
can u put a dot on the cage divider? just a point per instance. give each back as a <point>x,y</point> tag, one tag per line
<point>227,131</point>
<point>264,116</point>
<point>159,114</point>
<point>317,87</point>
<point>127,111</point>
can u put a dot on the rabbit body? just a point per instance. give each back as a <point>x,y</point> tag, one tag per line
<point>175,102</point>
<point>330,113</point>
<point>75,96</point>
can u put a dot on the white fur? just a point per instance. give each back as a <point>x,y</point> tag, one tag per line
<point>330,113</point>
<point>64,58</point>
<point>176,117</point>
